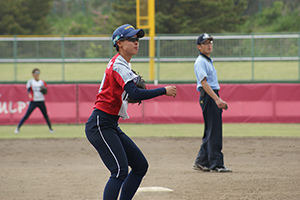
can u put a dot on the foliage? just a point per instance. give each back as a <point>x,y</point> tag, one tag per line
<point>100,21</point>
<point>276,18</point>
<point>23,17</point>
<point>215,16</point>
<point>78,29</point>
<point>96,51</point>
<point>101,17</point>
<point>183,16</point>
<point>123,12</point>
<point>78,24</point>
<point>165,21</point>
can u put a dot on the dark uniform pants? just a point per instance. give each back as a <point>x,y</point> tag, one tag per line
<point>210,154</point>
<point>117,152</point>
<point>32,106</point>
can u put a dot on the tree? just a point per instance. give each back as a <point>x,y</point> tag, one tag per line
<point>12,16</point>
<point>38,10</point>
<point>123,12</point>
<point>23,17</point>
<point>186,16</point>
<point>165,20</point>
<point>276,18</point>
<point>214,16</point>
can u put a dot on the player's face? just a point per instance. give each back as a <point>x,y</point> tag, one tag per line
<point>36,75</point>
<point>130,45</point>
<point>206,47</point>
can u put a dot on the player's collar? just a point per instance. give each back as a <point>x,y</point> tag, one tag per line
<point>207,58</point>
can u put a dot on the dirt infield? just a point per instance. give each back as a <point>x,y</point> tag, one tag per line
<point>70,169</point>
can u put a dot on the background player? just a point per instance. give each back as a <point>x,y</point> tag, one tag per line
<point>210,157</point>
<point>36,97</point>
<point>115,148</point>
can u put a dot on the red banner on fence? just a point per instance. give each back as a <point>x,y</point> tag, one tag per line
<point>73,103</point>
<point>61,104</point>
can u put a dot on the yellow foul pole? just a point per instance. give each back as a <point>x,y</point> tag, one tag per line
<point>146,20</point>
<point>151,11</point>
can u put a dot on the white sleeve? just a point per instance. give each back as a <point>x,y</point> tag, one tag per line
<point>28,85</point>
<point>124,71</point>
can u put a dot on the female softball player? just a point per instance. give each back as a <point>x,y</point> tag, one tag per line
<point>115,148</point>
<point>36,97</point>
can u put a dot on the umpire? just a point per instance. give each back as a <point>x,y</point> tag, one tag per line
<point>210,157</point>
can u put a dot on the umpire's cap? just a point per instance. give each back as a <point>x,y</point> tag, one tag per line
<point>204,37</point>
<point>126,30</point>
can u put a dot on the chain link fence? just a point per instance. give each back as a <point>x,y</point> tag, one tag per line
<point>173,52</point>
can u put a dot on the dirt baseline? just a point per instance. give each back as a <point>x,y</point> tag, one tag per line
<point>70,169</point>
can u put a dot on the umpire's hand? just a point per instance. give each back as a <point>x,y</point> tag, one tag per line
<point>221,104</point>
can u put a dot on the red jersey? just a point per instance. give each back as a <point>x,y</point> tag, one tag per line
<point>112,98</point>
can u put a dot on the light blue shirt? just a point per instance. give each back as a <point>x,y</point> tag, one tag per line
<point>204,68</point>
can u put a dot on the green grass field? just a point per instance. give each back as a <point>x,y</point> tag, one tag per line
<point>178,71</point>
<point>155,130</point>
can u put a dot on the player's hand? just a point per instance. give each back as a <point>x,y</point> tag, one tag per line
<point>29,95</point>
<point>171,91</point>
<point>221,104</point>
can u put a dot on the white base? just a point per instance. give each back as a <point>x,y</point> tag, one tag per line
<point>153,190</point>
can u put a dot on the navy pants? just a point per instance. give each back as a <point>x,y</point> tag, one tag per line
<point>210,154</point>
<point>117,152</point>
<point>32,106</point>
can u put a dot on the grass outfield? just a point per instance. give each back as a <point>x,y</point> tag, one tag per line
<point>178,71</point>
<point>155,130</point>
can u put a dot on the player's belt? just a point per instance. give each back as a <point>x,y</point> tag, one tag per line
<point>203,93</point>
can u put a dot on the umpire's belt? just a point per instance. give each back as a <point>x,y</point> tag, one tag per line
<point>203,93</point>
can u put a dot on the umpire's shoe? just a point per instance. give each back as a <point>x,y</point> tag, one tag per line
<point>197,166</point>
<point>221,169</point>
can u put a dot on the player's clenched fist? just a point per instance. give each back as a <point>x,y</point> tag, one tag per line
<point>171,91</point>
